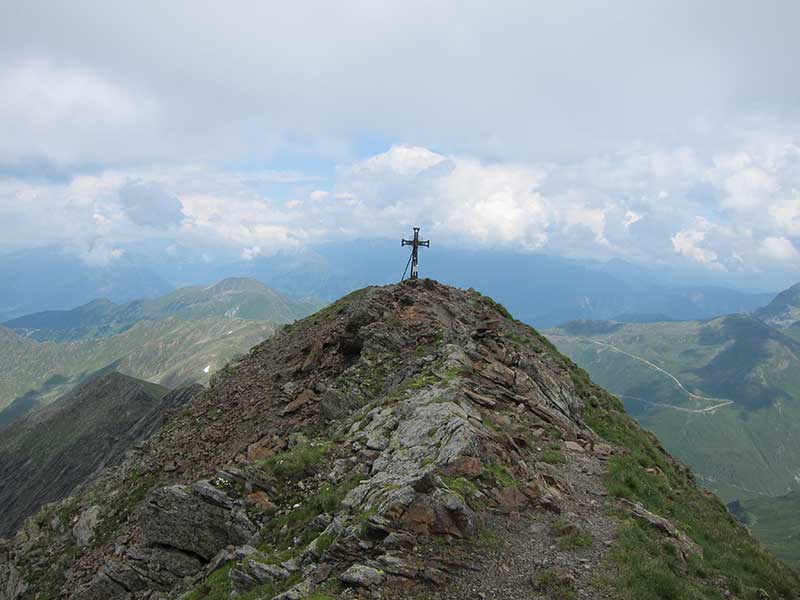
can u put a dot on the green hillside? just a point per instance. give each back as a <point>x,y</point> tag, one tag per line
<point>236,298</point>
<point>776,521</point>
<point>171,352</point>
<point>723,395</point>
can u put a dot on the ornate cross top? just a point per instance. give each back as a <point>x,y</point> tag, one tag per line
<point>415,244</point>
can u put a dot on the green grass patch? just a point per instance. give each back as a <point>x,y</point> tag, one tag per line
<point>555,585</point>
<point>553,455</point>
<point>499,474</point>
<point>298,462</point>
<point>328,499</point>
<point>217,586</point>
<point>490,540</point>
<point>461,486</point>
<point>497,306</point>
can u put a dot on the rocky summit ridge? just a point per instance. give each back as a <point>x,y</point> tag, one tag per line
<point>408,441</point>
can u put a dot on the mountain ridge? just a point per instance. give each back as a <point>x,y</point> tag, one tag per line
<point>49,453</point>
<point>413,440</point>
<point>233,297</point>
<point>170,351</point>
<point>784,310</point>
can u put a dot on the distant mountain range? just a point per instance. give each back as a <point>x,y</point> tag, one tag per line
<point>542,290</point>
<point>538,289</point>
<point>784,310</point>
<point>231,298</point>
<point>47,455</point>
<point>50,278</point>
<point>175,340</point>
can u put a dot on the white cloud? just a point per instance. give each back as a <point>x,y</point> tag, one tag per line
<point>251,253</point>
<point>779,249</point>
<point>319,195</point>
<point>72,115</point>
<point>689,243</point>
<point>785,214</point>
<point>632,217</point>
<point>748,188</point>
<point>400,160</point>
<point>643,205</point>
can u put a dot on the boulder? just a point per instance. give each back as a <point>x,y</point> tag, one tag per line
<point>83,530</point>
<point>362,576</point>
<point>196,523</point>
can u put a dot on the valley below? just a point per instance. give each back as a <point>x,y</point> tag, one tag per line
<point>722,395</point>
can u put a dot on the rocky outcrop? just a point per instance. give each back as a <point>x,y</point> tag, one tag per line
<point>12,586</point>
<point>684,545</point>
<point>179,530</point>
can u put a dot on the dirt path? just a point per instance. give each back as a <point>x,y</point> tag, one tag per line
<point>517,551</point>
<point>720,402</point>
<point>708,409</point>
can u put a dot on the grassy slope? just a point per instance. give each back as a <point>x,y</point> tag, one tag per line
<point>644,567</point>
<point>777,522</point>
<point>740,450</point>
<point>172,352</point>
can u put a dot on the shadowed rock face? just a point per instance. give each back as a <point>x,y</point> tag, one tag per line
<point>366,447</point>
<point>48,454</point>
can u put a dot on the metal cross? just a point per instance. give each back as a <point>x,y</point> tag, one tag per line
<point>415,244</point>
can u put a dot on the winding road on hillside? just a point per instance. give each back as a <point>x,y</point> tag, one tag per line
<point>720,402</point>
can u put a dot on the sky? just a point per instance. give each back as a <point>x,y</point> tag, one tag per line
<point>660,133</point>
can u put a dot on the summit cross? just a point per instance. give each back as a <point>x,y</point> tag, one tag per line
<point>415,244</point>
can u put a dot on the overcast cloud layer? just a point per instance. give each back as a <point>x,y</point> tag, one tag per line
<point>662,133</point>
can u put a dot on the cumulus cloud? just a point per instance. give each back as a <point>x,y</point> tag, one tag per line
<point>651,206</point>
<point>779,249</point>
<point>691,244</point>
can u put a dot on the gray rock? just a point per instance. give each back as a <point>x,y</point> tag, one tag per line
<point>208,492</point>
<point>12,586</point>
<point>298,592</point>
<point>267,572</point>
<point>176,518</point>
<point>362,575</point>
<point>397,566</point>
<point>83,530</point>
<point>182,530</point>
